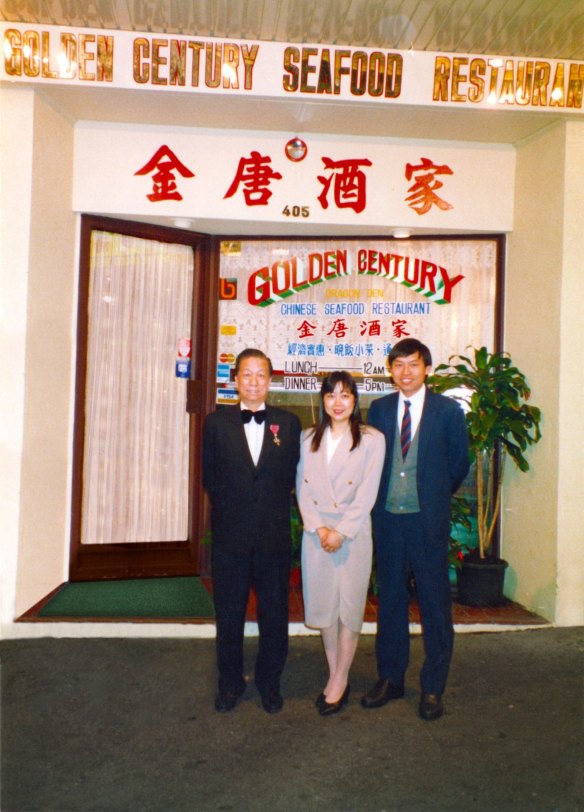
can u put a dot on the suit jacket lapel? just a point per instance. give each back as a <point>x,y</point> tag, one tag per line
<point>323,472</point>
<point>243,446</point>
<point>269,441</point>
<point>391,426</point>
<point>426,426</point>
<point>329,471</point>
<point>339,458</point>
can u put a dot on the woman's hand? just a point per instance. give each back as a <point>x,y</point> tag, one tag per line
<point>330,540</point>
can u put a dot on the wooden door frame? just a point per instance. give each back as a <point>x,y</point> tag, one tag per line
<point>89,562</point>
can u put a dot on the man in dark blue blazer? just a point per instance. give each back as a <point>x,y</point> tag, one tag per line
<point>250,454</point>
<point>426,460</point>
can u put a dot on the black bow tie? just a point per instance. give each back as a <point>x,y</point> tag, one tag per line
<point>247,414</point>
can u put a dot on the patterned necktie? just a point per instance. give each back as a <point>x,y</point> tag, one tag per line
<point>406,430</point>
<point>247,414</point>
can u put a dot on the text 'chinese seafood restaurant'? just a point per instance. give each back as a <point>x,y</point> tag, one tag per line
<point>315,180</point>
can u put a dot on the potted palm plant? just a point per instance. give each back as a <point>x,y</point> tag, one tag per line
<point>501,425</point>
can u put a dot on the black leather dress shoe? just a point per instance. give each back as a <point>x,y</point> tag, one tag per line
<point>330,708</point>
<point>226,701</point>
<point>431,706</point>
<point>272,702</point>
<point>381,693</point>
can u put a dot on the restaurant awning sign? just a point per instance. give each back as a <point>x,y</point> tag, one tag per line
<point>179,64</point>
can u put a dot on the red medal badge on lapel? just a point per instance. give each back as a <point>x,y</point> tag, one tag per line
<point>275,429</point>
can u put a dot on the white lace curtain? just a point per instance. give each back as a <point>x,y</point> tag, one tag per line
<point>136,454</point>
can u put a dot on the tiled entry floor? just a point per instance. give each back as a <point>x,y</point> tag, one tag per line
<point>511,614</point>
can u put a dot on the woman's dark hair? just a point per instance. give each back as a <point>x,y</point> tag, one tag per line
<point>328,385</point>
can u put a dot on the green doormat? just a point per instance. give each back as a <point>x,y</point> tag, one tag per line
<point>142,598</point>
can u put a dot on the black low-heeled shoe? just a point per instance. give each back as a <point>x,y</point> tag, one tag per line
<point>320,700</point>
<point>330,708</point>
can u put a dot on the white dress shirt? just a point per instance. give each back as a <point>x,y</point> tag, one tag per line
<point>254,433</point>
<point>331,443</point>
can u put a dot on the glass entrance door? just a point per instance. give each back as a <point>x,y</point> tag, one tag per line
<point>136,493</point>
<point>136,450</point>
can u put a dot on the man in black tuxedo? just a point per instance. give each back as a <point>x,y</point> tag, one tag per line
<point>250,454</point>
<point>426,461</point>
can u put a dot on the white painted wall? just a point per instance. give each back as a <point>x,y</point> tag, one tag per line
<point>543,525</point>
<point>108,155</point>
<point>15,191</point>
<point>570,563</point>
<point>48,378</point>
<point>542,535</point>
<point>38,268</point>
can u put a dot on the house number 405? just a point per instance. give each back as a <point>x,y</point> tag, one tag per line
<point>296,211</point>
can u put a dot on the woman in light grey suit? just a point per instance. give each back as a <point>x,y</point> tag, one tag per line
<point>336,485</point>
